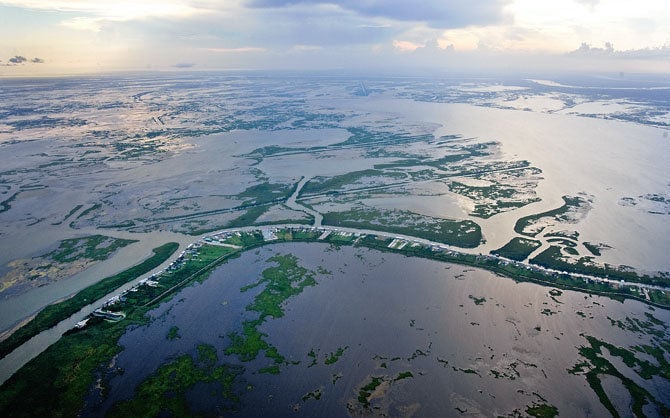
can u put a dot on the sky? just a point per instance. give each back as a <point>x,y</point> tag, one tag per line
<point>43,37</point>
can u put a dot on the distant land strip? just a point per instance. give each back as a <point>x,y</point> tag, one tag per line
<point>51,315</point>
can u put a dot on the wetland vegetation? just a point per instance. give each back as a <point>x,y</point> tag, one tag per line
<point>53,314</point>
<point>553,258</point>
<point>230,156</point>
<point>518,248</point>
<point>532,225</point>
<point>466,234</point>
<point>56,382</point>
<point>597,365</point>
<point>72,256</point>
<point>285,279</point>
<point>94,247</point>
<point>280,283</point>
<point>165,391</point>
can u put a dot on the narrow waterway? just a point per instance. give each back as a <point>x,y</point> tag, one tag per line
<point>293,204</point>
<point>11,363</point>
<point>17,308</point>
<point>15,360</point>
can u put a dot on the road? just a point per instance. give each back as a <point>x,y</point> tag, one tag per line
<point>26,352</point>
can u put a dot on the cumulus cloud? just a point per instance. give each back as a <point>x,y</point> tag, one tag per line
<point>18,59</point>
<point>406,46</point>
<point>608,51</point>
<point>437,13</point>
<point>662,52</point>
<point>587,50</point>
<point>334,33</point>
<point>321,25</point>
<point>21,60</point>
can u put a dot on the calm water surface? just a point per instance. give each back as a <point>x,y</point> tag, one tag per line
<point>472,340</point>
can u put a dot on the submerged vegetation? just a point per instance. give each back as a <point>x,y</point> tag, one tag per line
<point>55,382</point>
<point>79,354</point>
<point>282,129</point>
<point>597,365</point>
<point>333,357</point>
<point>374,390</point>
<point>280,283</point>
<point>164,392</point>
<point>542,411</point>
<point>366,391</point>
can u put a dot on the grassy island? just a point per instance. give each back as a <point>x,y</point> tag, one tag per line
<point>42,388</point>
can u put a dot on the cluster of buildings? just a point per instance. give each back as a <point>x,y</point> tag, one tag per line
<point>104,312</point>
<point>397,243</point>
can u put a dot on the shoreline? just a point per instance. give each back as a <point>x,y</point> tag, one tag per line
<point>378,240</point>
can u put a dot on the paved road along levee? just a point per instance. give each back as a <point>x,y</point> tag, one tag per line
<point>26,352</point>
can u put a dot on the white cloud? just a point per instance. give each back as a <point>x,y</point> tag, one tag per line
<point>437,13</point>
<point>406,46</point>
<point>322,33</point>
<point>113,10</point>
<point>93,24</point>
<point>97,12</point>
<point>608,51</point>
